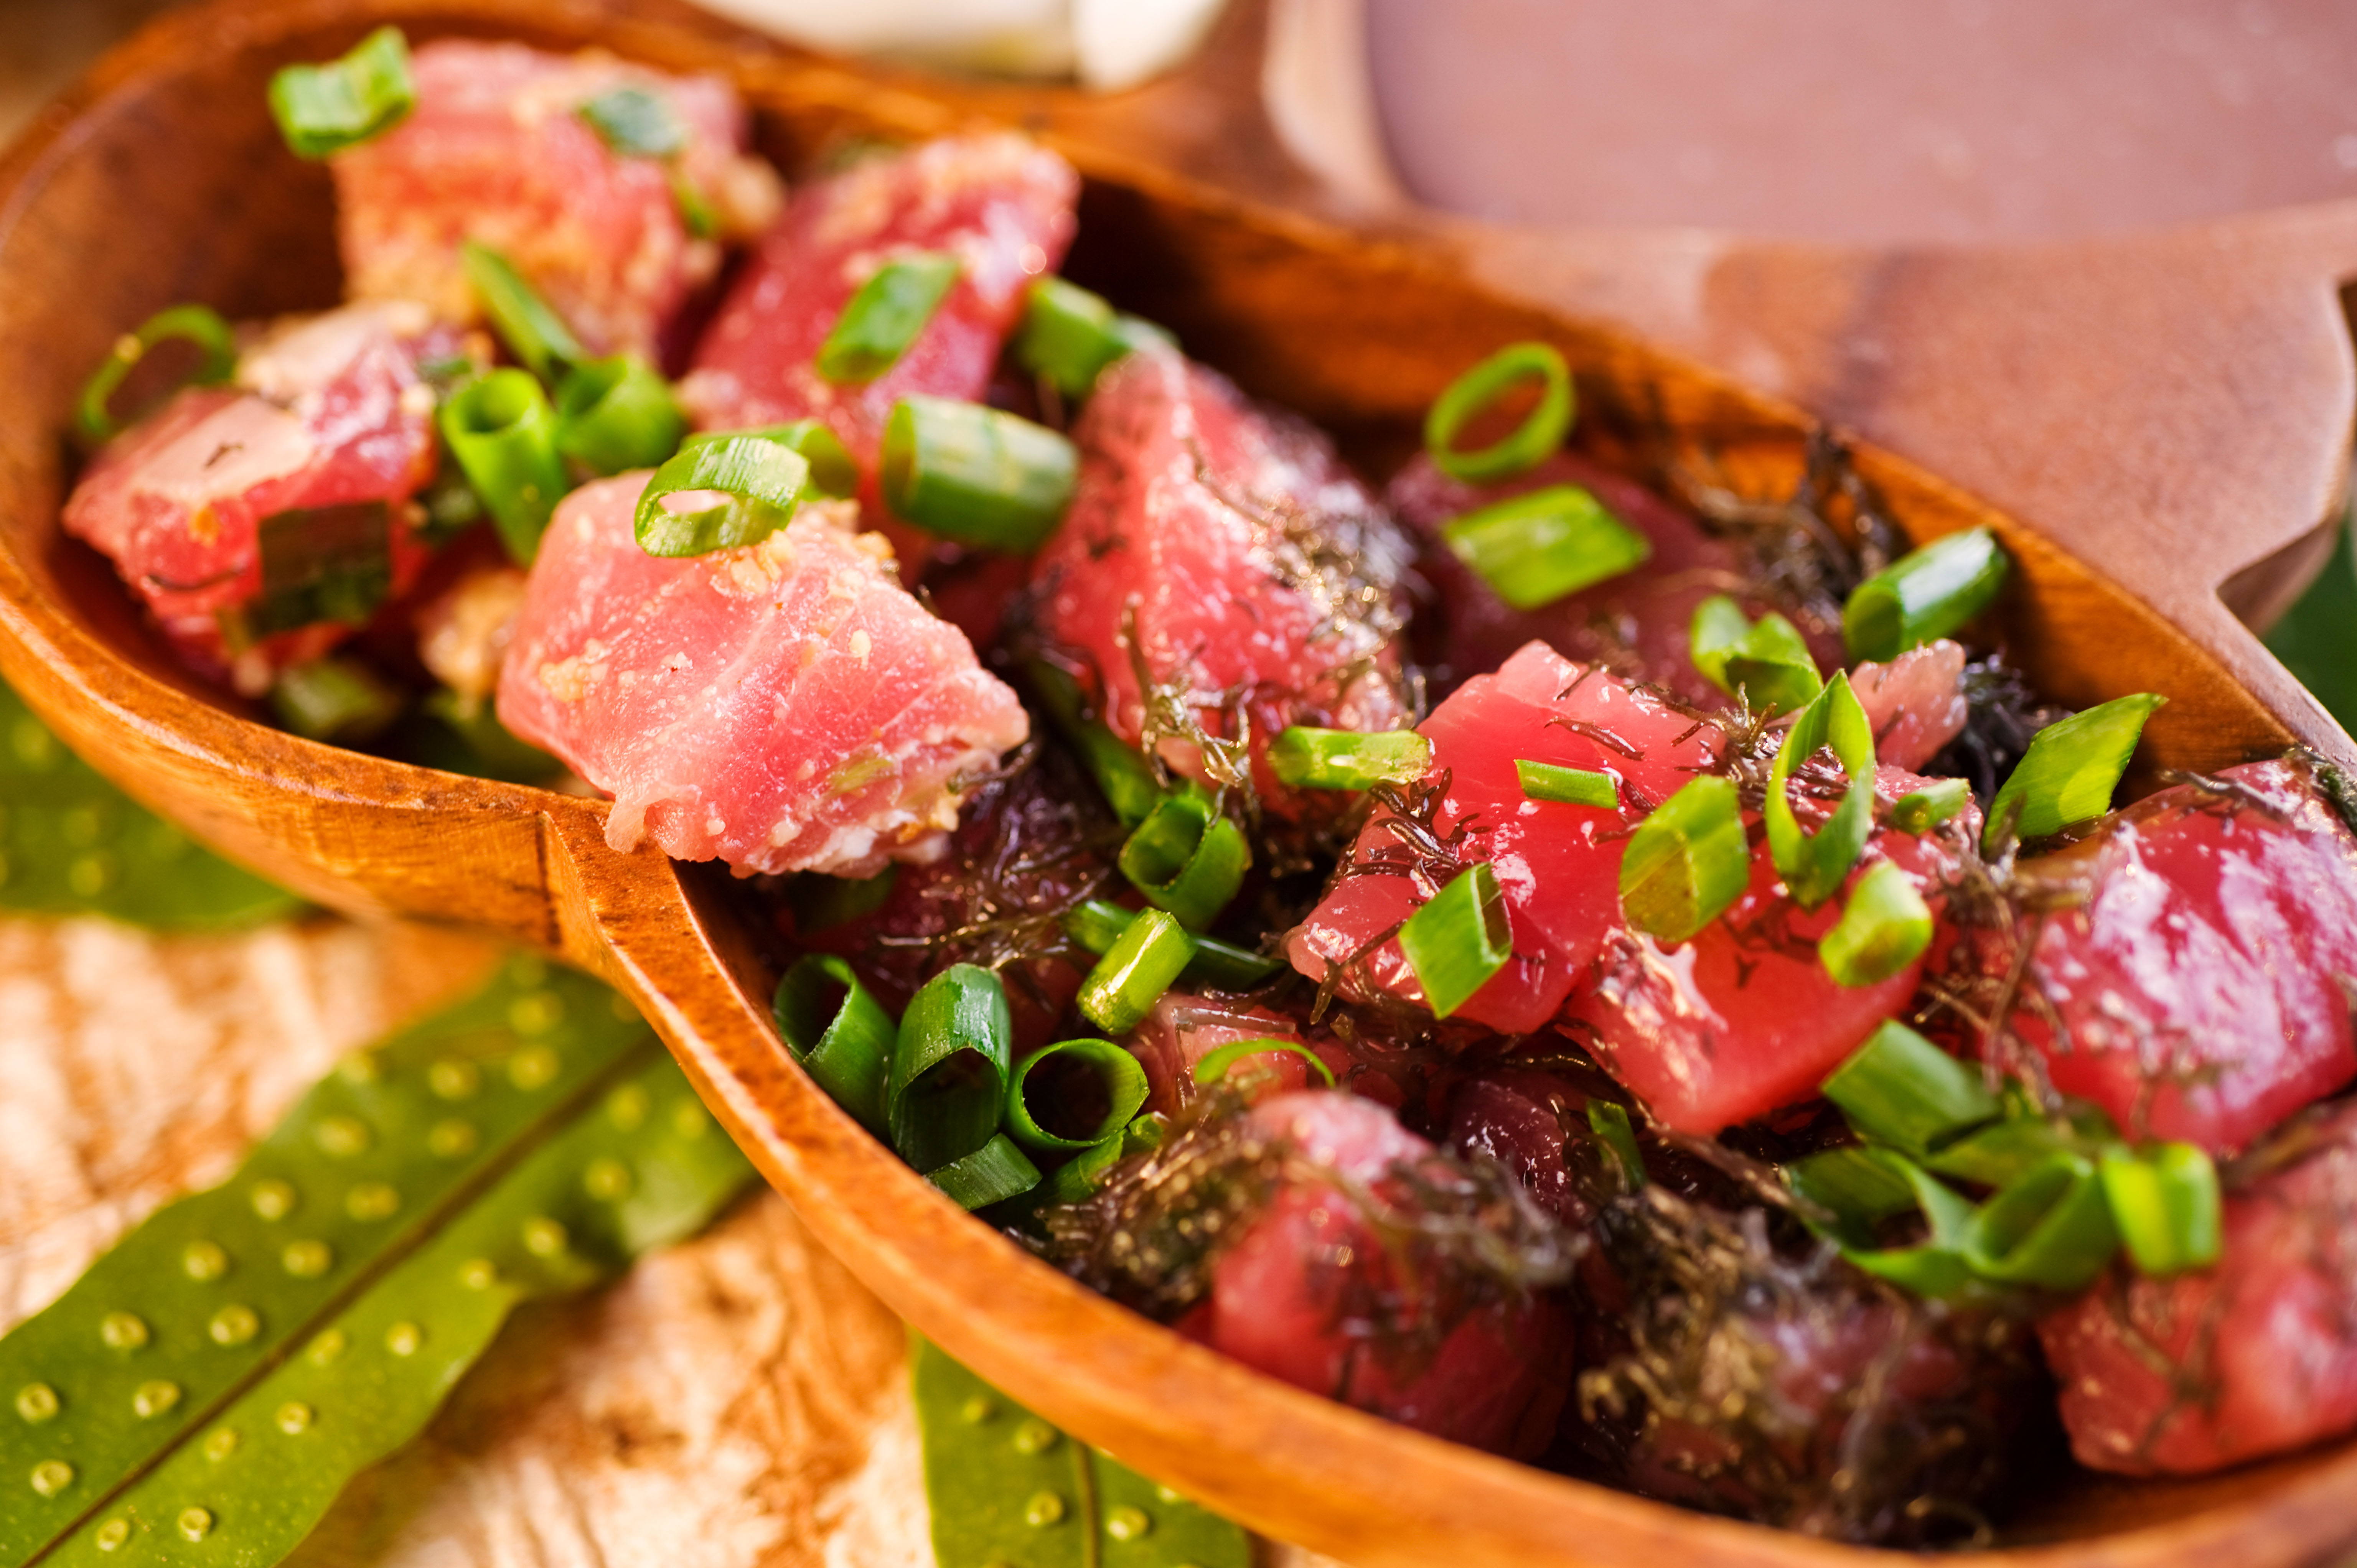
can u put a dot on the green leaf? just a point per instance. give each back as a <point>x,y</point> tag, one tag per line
<point>71,843</point>
<point>1006,1487</point>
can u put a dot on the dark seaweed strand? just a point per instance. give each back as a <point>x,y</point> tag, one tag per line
<point>2001,713</point>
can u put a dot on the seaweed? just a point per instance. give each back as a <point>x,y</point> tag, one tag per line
<point>2001,713</point>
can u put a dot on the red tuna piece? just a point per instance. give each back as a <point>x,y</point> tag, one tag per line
<point>327,412</point>
<point>1559,866</point>
<point>1000,203</point>
<point>2254,1356</point>
<point>1635,623</point>
<point>1915,703</point>
<point>496,152</point>
<point>1226,550</point>
<point>2194,982</point>
<point>1183,1030</point>
<point>784,706</point>
<point>1313,1292</point>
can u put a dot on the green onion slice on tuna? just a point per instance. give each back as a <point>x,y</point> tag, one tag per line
<point>503,434</point>
<point>720,495</point>
<point>323,109</point>
<point>1924,597</point>
<point>992,1174</point>
<point>1187,857</point>
<point>832,471</point>
<point>1566,786</point>
<point>1533,549</point>
<point>635,122</point>
<point>1918,811</point>
<point>1217,1063</point>
<point>1069,335</point>
<point>1884,928</point>
<point>1611,1125</point>
<point>1901,1090</point>
<point>976,475</point>
<point>1310,758</point>
<point>527,324</point>
<point>2050,1227</point>
<point>1458,939</point>
<point>1121,771</point>
<point>616,413</point>
<point>2164,1202</point>
<point>883,316</point>
<point>1531,443</point>
<point>1096,924</point>
<point>1092,1077</point>
<point>839,1033</point>
<point>2069,772</point>
<point>194,324</point>
<point>1813,864</point>
<point>949,1065</point>
<point>1767,661</point>
<point>1151,953</point>
<point>1686,862</point>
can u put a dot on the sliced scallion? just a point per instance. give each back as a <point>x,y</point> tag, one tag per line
<point>1814,864</point>
<point>2050,1227</point>
<point>839,1034</point>
<point>635,122</point>
<point>1924,595</point>
<point>2067,774</point>
<point>323,109</point>
<point>1151,953</point>
<point>1187,858</point>
<point>1310,758</point>
<point>1216,1063</point>
<point>885,315</point>
<point>1768,660</point>
<point>216,348</point>
<point>1686,862</point>
<point>1099,1078</point>
<point>977,475</point>
<point>755,484</point>
<point>992,1174</point>
<point>1069,335</point>
<point>1612,1127</point>
<point>318,563</point>
<point>1096,925</point>
<point>1941,1266</point>
<point>1084,1176</point>
<point>1854,1186</point>
<point>1901,1090</point>
<point>2002,1151</point>
<point>335,699</point>
<point>1918,811</point>
<point>1469,395</point>
<point>831,471</point>
<point>1884,928</point>
<point>1534,548</point>
<point>1119,770</point>
<point>1458,939</point>
<point>527,324</point>
<point>503,434</point>
<point>616,413</point>
<point>2165,1203</point>
<point>950,1064</point>
<point>1566,786</point>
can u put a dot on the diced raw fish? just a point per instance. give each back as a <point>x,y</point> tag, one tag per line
<point>244,516</point>
<point>784,707</point>
<point>2195,979</point>
<point>1916,703</point>
<point>1559,866</point>
<point>2254,1356</point>
<point>496,152</point>
<point>1184,1029</point>
<point>1001,204</point>
<point>1228,552</point>
<point>1634,624</point>
<point>1534,1123</point>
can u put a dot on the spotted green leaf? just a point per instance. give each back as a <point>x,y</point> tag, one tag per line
<point>1006,1488</point>
<point>72,844</point>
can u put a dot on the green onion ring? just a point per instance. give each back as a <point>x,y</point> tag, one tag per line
<point>1120,1074</point>
<point>885,315</point>
<point>1814,864</point>
<point>1566,786</point>
<point>1686,862</point>
<point>831,471</point>
<point>1215,1063</point>
<point>503,434</point>
<point>949,1065</point>
<point>185,323</point>
<point>1187,857</point>
<point>1151,953</point>
<point>2067,774</point>
<point>1924,597</point>
<point>616,413</point>
<point>1307,759</point>
<point>1458,939</point>
<point>839,1034</point>
<point>323,109</point>
<point>760,482</point>
<point>526,323</point>
<point>980,476</point>
<point>1532,442</point>
<point>1884,926</point>
<point>992,1174</point>
<point>1902,1089</point>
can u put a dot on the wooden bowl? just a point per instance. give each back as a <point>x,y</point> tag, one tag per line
<point>161,179</point>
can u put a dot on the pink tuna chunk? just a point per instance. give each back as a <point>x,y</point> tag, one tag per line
<point>2254,1356</point>
<point>1559,866</point>
<point>2200,972</point>
<point>327,411</point>
<point>1916,703</point>
<point>496,152</point>
<point>1634,624</point>
<point>1259,577</point>
<point>784,706</point>
<point>1183,1030</point>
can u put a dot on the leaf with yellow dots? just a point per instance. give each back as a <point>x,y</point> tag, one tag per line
<point>1008,1490</point>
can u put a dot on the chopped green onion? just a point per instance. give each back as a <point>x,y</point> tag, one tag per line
<point>335,699</point>
<point>1080,1178</point>
<point>2165,1203</point>
<point>840,1034</point>
<point>616,413</point>
<point>1855,1185</point>
<point>2067,774</point>
<point>1611,1126</point>
<point>1471,394</point>
<point>503,434</point>
<point>1814,864</point>
<point>318,563</point>
<point>1069,335</point>
<point>1121,771</point>
<point>1686,862</point>
<point>635,123</point>
<point>950,1064</point>
<point>831,471</point>
<point>884,316</point>
<point>1566,786</point>
<point>1096,925</point>
<point>977,475</point>
<point>1534,548</point>
<point>1939,1267</point>
<point>759,484</point>
<point>1919,811</point>
<point>323,109</point>
<point>1901,1090</point>
<point>992,1174</point>
<point>2001,1152</point>
<point>1114,1092</point>
<point>532,329</point>
<point>1215,1063</point>
<point>1924,596</point>
<point>2050,1227</point>
<point>821,902</point>
<point>1457,942</point>
<point>1310,758</point>
<point>1885,927</point>
<point>696,215</point>
<point>1151,953</point>
<point>1187,858</point>
<point>1767,661</point>
<point>217,361</point>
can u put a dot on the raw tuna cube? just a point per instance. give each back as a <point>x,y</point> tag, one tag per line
<point>260,522</point>
<point>1559,866</point>
<point>1916,703</point>
<point>1634,624</point>
<point>2254,1356</point>
<point>2195,982</point>
<point>784,707</point>
<point>496,152</point>
<point>1183,1030</point>
<point>1227,552</point>
<point>1002,205</point>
